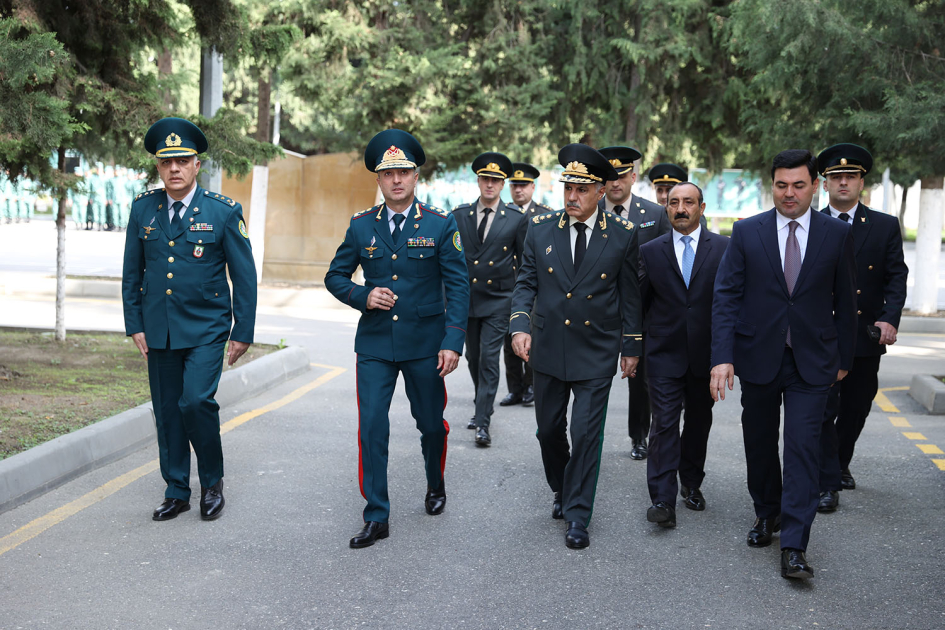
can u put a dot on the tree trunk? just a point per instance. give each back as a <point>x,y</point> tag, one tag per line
<point>166,68</point>
<point>902,212</point>
<point>632,127</point>
<point>928,246</point>
<point>61,255</point>
<point>262,111</point>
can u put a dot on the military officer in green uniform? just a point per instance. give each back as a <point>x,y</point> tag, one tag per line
<point>96,188</point>
<point>6,196</point>
<point>576,310</point>
<point>413,306</point>
<point>110,200</point>
<point>180,243</point>
<point>80,199</point>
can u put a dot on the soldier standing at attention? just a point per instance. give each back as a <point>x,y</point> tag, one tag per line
<point>413,308</point>
<point>96,212</point>
<point>181,240</point>
<point>576,309</point>
<point>494,235</point>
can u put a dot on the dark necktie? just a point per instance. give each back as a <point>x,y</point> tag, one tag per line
<point>175,220</point>
<point>792,265</point>
<point>482,224</point>
<point>618,210</point>
<point>844,217</point>
<point>580,245</point>
<point>398,227</point>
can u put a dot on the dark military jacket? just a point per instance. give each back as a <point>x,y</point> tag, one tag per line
<point>649,217</point>
<point>881,274</point>
<point>532,210</point>
<point>491,265</point>
<point>425,270</point>
<point>580,321</point>
<point>174,282</point>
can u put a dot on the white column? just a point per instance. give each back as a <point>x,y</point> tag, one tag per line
<point>928,246</point>
<point>258,200</point>
<point>211,98</point>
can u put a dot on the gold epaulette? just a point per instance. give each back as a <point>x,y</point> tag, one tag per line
<point>364,212</point>
<point>219,197</point>
<point>148,192</point>
<point>624,222</point>
<point>541,218</point>
<point>440,211</point>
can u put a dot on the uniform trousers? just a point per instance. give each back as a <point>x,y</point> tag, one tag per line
<point>572,472</point>
<point>183,384</point>
<point>668,451</point>
<point>518,373</point>
<point>848,404</point>
<point>795,498</point>
<point>426,391</point>
<point>484,337</point>
<point>638,415</point>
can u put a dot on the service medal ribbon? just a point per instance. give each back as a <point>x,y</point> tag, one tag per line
<point>421,241</point>
<point>648,224</point>
<point>201,227</point>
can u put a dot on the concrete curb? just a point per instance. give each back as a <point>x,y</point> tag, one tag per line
<point>912,324</point>
<point>27,475</point>
<point>929,391</point>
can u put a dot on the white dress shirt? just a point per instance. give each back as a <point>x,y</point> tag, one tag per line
<point>609,206</point>
<point>390,218</point>
<point>836,213</point>
<point>188,198</point>
<point>572,233</point>
<point>801,232</point>
<point>480,212</point>
<point>679,246</point>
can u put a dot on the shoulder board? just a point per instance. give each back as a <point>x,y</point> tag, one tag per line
<point>219,197</point>
<point>619,220</point>
<point>512,206</point>
<point>434,210</point>
<point>358,215</point>
<point>541,218</point>
<point>461,206</point>
<point>544,207</point>
<point>149,192</point>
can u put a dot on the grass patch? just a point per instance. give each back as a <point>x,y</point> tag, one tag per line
<point>48,389</point>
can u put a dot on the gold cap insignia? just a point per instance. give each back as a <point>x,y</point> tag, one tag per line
<point>173,140</point>
<point>492,166</point>
<point>843,161</point>
<point>615,162</point>
<point>577,167</point>
<point>519,174</point>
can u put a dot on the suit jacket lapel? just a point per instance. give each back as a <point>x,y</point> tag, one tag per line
<point>861,228</point>
<point>669,249</point>
<point>594,248</point>
<point>410,226</point>
<point>702,252</point>
<point>768,231</point>
<point>161,213</point>
<point>562,247</point>
<point>382,228</point>
<point>815,238</point>
<point>499,223</point>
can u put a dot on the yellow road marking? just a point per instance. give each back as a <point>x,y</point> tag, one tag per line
<point>940,463</point>
<point>41,524</point>
<point>899,422</point>
<point>883,402</point>
<point>914,436</point>
<point>930,449</point>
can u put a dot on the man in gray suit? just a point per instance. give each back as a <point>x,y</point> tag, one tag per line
<point>651,221</point>
<point>576,309</point>
<point>494,236</point>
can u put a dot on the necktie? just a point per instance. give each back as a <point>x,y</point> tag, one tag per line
<point>844,217</point>
<point>792,265</point>
<point>398,227</point>
<point>482,224</point>
<point>688,256</point>
<point>580,245</point>
<point>175,219</point>
<point>618,210</point>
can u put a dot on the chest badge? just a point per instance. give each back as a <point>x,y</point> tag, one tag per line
<point>370,250</point>
<point>148,229</point>
<point>548,251</point>
<point>198,251</point>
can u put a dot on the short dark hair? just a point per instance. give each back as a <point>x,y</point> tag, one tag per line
<point>792,158</point>
<point>701,196</point>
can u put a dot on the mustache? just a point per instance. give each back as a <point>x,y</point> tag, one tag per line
<point>573,204</point>
<point>681,215</point>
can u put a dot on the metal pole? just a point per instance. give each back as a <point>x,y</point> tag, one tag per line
<point>211,98</point>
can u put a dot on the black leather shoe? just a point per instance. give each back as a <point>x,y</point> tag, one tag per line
<point>482,437</point>
<point>371,532</point>
<point>528,397</point>
<point>577,537</point>
<point>847,482</point>
<point>435,501</point>
<point>556,509</point>
<point>510,399</point>
<point>472,423</point>
<point>829,501</point>
<point>211,501</point>
<point>693,498</point>
<point>794,565</point>
<point>760,533</point>
<point>639,450</point>
<point>662,513</point>
<point>170,509</point>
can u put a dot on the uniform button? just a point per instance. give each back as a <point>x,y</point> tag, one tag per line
<point>199,240</point>
<point>568,296</point>
<point>587,323</point>
<point>394,277</point>
<point>871,267</point>
<point>421,255</point>
<point>170,275</point>
<point>475,262</point>
<point>216,295</point>
<point>505,248</point>
<point>603,276</point>
<point>393,256</point>
<point>145,237</point>
<point>395,297</point>
<point>567,322</point>
<point>171,243</point>
<point>395,318</point>
<point>168,291</point>
<point>488,281</point>
<point>491,263</point>
<point>857,291</point>
<point>171,259</point>
<point>550,269</point>
<point>590,296</point>
<point>141,289</point>
<point>859,312</point>
<point>475,280</point>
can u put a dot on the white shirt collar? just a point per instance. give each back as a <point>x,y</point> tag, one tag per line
<point>677,237</point>
<point>803,220</point>
<point>391,213</point>
<point>836,213</point>
<point>189,197</point>
<point>591,220</point>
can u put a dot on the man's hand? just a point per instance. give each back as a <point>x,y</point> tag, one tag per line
<point>841,374</point>
<point>721,373</point>
<point>447,360</point>
<point>235,351</point>
<point>628,367</point>
<point>522,345</point>
<point>141,342</point>
<point>380,297</point>
<point>887,336</point>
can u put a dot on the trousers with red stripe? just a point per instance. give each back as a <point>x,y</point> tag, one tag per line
<point>426,392</point>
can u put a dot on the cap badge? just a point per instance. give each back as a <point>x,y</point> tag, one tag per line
<point>393,154</point>
<point>173,140</point>
<point>492,166</point>
<point>615,162</point>
<point>843,161</point>
<point>519,174</point>
<point>577,167</point>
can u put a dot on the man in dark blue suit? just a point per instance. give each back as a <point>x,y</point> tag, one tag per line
<point>881,275</point>
<point>677,276</point>
<point>784,320</point>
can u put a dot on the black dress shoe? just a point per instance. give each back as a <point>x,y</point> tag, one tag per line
<point>794,565</point>
<point>435,501</point>
<point>693,498</point>
<point>211,501</point>
<point>482,437</point>
<point>829,501</point>
<point>472,423</point>
<point>662,513</point>
<point>556,509</point>
<point>577,537</point>
<point>639,450</point>
<point>371,532</point>
<point>760,533</point>
<point>847,482</point>
<point>170,509</point>
<point>528,397</point>
<point>510,399</point>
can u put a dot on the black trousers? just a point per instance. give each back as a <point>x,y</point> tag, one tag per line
<point>572,472</point>
<point>795,497</point>
<point>518,373</point>
<point>638,416</point>
<point>848,405</point>
<point>483,344</point>
<point>669,452</point>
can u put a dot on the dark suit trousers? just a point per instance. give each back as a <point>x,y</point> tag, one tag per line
<point>518,373</point>
<point>638,416</point>
<point>796,498</point>
<point>572,473</point>
<point>183,384</point>
<point>426,391</point>
<point>848,404</point>
<point>484,337</point>
<point>669,452</point>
